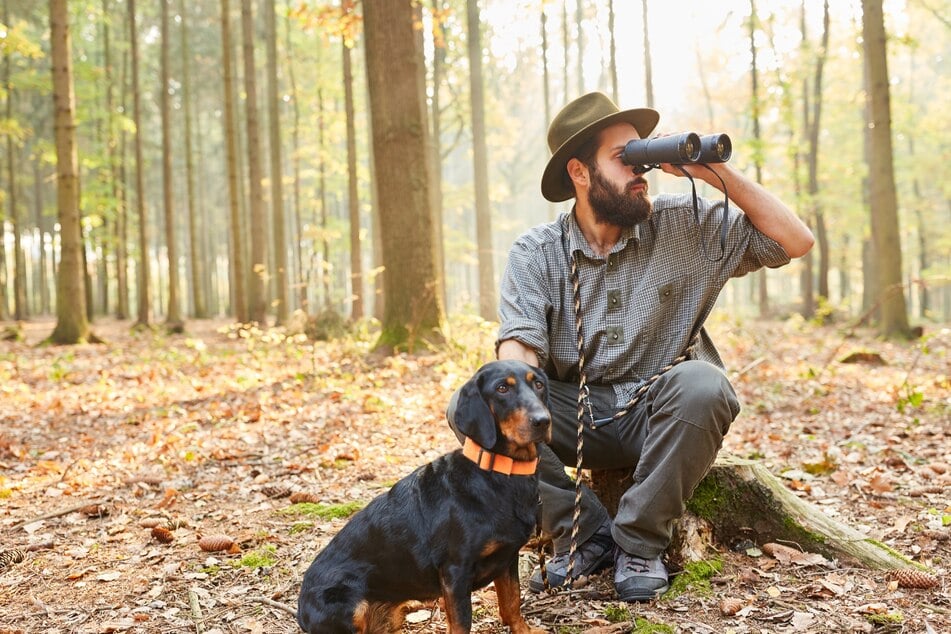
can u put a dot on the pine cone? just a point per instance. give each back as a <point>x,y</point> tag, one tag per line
<point>276,491</point>
<point>162,535</point>
<point>214,543</point>
<point>95,510</point>
<point>730,606</point>
<point>914,579</point>
<point>297,498</point>
<point>10,557</point>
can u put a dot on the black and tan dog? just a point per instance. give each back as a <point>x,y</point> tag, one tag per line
<point>450,527</point>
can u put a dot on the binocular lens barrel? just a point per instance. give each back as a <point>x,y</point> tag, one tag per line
<point>678,149</point>
<point>715,148</point>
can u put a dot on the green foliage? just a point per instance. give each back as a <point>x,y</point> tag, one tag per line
<point>260,558</point>
<point>695,578</point>
<point>324,511</point>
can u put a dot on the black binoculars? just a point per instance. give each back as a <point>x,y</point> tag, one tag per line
<point>677,149</point>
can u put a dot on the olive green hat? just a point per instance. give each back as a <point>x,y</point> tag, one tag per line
<point>574,125</point>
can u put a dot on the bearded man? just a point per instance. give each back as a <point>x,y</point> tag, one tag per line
<point>640,276</point>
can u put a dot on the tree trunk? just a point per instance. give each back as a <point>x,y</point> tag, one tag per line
<point>195,231</point>
<point>20,311</point>
<point>277,175</point>
<point>142,290</point>
<point>741,499</point>
<point>173,317</point>
<point>414,313</point>
<point>239,294</point>
<point>483,210</point>
<point>612,49</point>
<point>296,163</point>
<point>814,125</point>
<point>353,200</point>
<point>762,288</point>
<point>72,325</point>
<point>883,199</point>
<point>257,289</point>
<point>439,64</point>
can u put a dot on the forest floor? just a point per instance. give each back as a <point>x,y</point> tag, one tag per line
<point>108,451</point>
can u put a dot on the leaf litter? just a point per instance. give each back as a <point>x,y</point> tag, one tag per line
<point>148,485</point>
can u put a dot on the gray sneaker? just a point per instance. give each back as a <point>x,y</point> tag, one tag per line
<point>639,579</point>
<point>591,556</point>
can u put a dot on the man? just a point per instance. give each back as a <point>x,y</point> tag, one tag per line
<point>648,275</point>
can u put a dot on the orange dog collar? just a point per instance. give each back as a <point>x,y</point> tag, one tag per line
<point>489,461</point>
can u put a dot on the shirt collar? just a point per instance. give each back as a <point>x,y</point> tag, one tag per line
<point>577,241</point>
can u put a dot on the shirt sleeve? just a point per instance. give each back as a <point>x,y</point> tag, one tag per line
<point>749,249</point>
<point>525,301</point>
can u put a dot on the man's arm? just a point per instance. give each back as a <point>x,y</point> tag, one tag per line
<point>513,349</point>
<point>767,213</point>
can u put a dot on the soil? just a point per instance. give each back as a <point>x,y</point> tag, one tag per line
<point>115,459</point>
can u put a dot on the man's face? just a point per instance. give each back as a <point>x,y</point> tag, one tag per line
<point>617,196</point>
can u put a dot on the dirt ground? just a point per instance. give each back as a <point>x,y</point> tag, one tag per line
<point>116,459</point>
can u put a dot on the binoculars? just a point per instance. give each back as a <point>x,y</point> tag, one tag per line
<point>678,149</point>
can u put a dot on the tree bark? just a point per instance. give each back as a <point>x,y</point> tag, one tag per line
<point>483,210</point>
<point>741,499</point>
<point>143,305</point>
<point>173,316</point>
<point>72,325</point>
<point>353,200</point>
<point>883,200</point>
<point>196,254</point>
<point>239,294</point>
<point>277,174</point>
<point>414,314</point>
<point>257,288</point>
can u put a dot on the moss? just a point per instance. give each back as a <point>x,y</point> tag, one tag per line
<point>894,553</point>
<point>300,527</point>
<point>891,618</point>
<point>617,613</point>
<point>695,577</point>
<point>643,626</point>
<point>324,511</point>
<point>261,558</point>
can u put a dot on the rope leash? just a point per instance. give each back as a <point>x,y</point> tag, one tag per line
<point>584,403</point>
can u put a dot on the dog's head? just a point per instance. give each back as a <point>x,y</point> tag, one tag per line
<point>504,408</point>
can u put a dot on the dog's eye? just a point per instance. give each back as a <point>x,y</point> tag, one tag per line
<point>502,388</point>
<point>539,385</point>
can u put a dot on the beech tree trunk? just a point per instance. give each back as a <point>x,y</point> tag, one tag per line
<point>72,326</point>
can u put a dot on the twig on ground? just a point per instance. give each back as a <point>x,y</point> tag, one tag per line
<point>276,604</point>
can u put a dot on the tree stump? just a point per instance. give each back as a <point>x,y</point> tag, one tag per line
<point>740,499</point>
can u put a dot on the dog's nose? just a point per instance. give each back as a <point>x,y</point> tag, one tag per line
<point>540,419</point>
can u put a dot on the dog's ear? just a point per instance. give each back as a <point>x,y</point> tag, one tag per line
<point>472,417</point>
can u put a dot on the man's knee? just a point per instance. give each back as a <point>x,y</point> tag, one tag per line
<point>697,392</point>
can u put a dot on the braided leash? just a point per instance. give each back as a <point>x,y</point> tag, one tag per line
<point>584,402</point>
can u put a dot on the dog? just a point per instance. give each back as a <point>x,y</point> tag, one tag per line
<point>450,527</point>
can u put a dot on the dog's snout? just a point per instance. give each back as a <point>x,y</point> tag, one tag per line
<point>540,419</point>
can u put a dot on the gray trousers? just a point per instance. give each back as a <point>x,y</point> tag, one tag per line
<point>671,438</point>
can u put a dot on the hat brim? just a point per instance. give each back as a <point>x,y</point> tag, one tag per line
<point>553,183</point>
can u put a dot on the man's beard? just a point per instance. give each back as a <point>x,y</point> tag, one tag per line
<point>622,209</point>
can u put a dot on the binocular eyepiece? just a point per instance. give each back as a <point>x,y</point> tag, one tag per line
<point>677,149</point>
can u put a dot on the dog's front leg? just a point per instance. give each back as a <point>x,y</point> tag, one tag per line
<point>457,600</point>
<point>510,601</point>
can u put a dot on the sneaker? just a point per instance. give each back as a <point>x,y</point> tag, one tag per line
<point>639,579</point>
<point>590,557</point>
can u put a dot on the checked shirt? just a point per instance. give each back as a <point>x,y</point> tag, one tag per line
<point>642,304</point>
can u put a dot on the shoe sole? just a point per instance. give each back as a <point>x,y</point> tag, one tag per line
<point>647,595</point>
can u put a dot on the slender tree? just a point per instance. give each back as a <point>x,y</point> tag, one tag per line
<point>143,318</point>
<point>239,295</point>
<point>353,200</point>
<point>72,325</point>
<point>757,143</point>
<point>20,310</point>
<point>257,288</point>
<point>883,198</point>
<point>277,174</point>
<point>480,160</point>
<point>173,317</point>
<point>196,254</point>
<point>414,312</point>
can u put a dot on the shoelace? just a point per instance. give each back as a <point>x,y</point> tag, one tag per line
<point>636,564</point>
